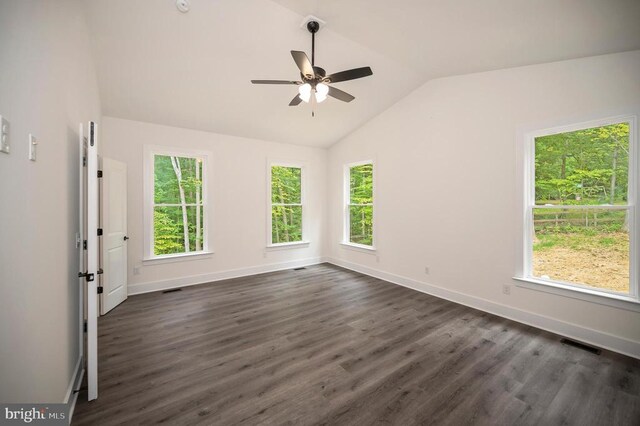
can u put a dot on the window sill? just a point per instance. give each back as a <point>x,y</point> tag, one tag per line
<point>284,246</point>
<point>594,296</point>
<point>170,258</point>
<point>358,247</point>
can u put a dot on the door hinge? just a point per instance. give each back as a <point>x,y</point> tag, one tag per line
<point>99,232</point>
<point>84,327</point>
<point>84,244</point>
<point>86,275</point>
<point>84,159</point>
<point>100,289</point>
<point>100,271</point>
<point>99,173</point>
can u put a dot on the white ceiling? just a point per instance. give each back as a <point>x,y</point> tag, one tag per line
<point>192,70</point>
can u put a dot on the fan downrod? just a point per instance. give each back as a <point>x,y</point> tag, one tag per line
<point>313,27</point>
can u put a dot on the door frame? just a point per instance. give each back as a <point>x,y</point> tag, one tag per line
<point>89,210</point>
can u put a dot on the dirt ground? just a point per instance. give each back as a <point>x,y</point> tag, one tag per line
<point>597,267</point>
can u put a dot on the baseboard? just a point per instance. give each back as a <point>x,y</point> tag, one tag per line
<point>593,337</point>
<point>71,397</point>
<point>152,286</point>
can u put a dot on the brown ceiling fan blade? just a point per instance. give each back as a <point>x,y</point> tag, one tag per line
<point>275,82</point>
<point>339,94</point>
<point>295,101</point>
<point>303,63</point>
<point>349,75</point>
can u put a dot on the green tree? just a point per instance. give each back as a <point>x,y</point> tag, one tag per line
<point>361,204</point>
<point>286,200</point>
<point>178,196</point>
<point>583,167</point>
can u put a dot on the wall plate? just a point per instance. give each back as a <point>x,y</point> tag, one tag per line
<point>308,18</point>
<point>33,144</point>
<point>4,135</point>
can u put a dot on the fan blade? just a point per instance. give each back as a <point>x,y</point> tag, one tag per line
<point>349,74</point>
<point>275,82</point>
<point>303,63</point>
<point>339,94</point>
<point>295,101</point>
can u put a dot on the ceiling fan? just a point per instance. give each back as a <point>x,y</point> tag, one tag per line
<point>314,80</point>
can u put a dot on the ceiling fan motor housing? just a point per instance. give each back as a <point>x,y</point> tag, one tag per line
<point>319,77</point>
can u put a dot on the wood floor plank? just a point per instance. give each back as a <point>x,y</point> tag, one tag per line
<point>325,345</point>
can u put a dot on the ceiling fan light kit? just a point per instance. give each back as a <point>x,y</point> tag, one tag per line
<point>314,80</point>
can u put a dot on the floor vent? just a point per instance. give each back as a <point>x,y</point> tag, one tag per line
<point>173,290</point>
<point>299,269</point>
<point>581,346</point>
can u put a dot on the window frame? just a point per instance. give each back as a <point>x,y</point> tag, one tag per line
<point>150,151</point>
<point>303,198</point>
<point>526,279</point>
<point>346,231</point>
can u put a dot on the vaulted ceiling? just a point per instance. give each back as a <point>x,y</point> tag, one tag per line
<point>193,70</point>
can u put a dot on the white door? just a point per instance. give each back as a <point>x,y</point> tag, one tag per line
<point>89,240</point>
<point>114,236</point>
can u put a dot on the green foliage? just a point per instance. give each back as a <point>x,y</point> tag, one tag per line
<point>171,175</point>
<point>286,185</point>
<point>166,188</point>
<point>286,199</point>
<point>361,184</point>
<point>361,224</point>
<point>581,242</point>
<point>361,204</point>
<point>286,224</point>
<point>578,229</point>
<point>588,166</point>
<point>546,241</point>
<point>583,221</point>
<point>167,234</point>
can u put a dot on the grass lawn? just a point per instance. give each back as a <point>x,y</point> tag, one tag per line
<point>598,260</point>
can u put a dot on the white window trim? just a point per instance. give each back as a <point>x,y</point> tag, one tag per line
<point>346,204</point>
<point>524,276</point>
<point>149,152</point>
<point>303,203</point>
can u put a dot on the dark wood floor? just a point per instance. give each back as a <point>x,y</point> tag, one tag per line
<point>329,346</point>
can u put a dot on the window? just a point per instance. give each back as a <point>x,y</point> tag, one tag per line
<point>286,204</point>
<point>176,203</point>
<point>580,213</point>
<point>359,204</point>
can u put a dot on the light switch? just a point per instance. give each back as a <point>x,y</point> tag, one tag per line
<point>33,144</point>
<point>4,135</point>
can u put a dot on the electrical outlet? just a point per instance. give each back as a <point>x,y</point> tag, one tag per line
<point>136,270</point>
<point>426,270</point>
<point>506,289</point>
<point>4,135</point>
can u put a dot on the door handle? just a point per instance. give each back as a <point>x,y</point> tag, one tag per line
<point>126,238</point>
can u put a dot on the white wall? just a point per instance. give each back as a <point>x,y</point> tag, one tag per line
<point>237,194</point>
<point>447,194</point>
<point>47,87</point>
<point>449,189</point>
